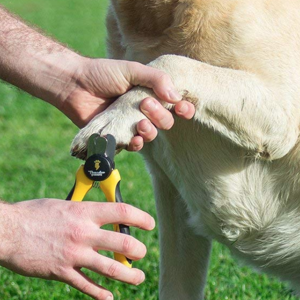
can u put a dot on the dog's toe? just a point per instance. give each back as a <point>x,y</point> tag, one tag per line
<point>79,153</point>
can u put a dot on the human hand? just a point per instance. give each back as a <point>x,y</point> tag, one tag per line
<point>100,81</point>
<point>82,87</point>
<point>54,239</point>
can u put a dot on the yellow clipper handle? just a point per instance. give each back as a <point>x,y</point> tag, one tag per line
<point>111,190</point>
<point>82,185</point>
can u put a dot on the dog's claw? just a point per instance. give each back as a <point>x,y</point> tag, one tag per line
<point>79,153</point>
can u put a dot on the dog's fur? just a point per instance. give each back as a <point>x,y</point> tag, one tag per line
<point>232,173</point>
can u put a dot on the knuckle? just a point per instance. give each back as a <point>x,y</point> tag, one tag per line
<point>124,210</point>
<point>77,234</point>
<point>127,246</point>
<point>61,272</point>
<point>120,88</point>
<point>149,106</point>
<point>70,254</point>
<point>164,77</point>
<point>77,209</point>
<point>114,270</point>
<point>135,66</point>
<point>85,288</point>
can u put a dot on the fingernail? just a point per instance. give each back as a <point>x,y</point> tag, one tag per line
<point>110,298</point>
<point>183,109</point>
<point>137,147</point>
<point>142,279</point>
<point>174,95</point>
<point>152,222</point>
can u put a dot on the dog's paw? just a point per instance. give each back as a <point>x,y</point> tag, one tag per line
<point>119,119</point>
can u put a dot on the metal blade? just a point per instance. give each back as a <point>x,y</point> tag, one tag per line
<point>111,146</point>
<point>96,145</point>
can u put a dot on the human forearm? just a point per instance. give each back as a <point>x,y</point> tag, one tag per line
<point>7,230</point>
<point>35,63</point>
<point>81,87</point>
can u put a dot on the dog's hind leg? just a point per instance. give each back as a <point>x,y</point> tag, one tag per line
<point>184,255</point>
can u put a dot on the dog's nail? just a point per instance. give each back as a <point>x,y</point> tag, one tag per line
<point>74,153</point>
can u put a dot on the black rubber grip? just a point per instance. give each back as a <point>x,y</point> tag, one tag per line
<point>123,228</point>
<point>69,197</point>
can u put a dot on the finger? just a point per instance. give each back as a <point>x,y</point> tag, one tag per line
<point>146,130</point>
<point>185,109</point>
<point>81,282</point>
<point>112,269</point>
<point>119,243</point>
<point>136,143</point>
<point>153,78</point>
<point>121,213</point>
<point>157,114</point>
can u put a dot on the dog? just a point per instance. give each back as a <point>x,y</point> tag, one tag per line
<point>232,173</point>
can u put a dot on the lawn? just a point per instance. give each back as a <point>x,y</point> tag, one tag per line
<point>35,163</point>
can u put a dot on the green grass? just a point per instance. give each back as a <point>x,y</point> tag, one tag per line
<point>35,163</point>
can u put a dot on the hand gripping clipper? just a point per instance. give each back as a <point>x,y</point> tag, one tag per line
<point>99,171</point>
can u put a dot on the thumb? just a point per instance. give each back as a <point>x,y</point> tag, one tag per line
<point>155,79</point>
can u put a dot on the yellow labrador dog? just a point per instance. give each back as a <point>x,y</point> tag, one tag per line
<point>232,173</point>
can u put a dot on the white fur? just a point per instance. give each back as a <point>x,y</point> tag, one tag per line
<point>231,173</point>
